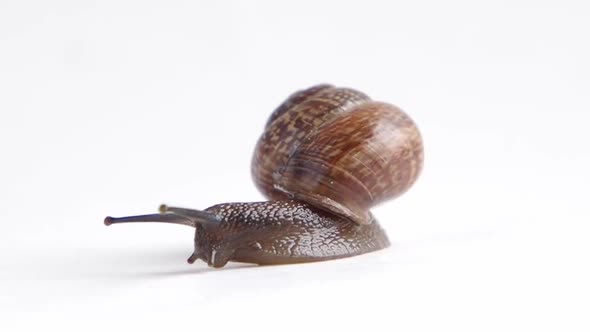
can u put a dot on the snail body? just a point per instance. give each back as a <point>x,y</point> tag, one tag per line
<point>327,156</point>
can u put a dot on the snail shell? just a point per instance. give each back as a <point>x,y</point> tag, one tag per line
<point>338,150</point>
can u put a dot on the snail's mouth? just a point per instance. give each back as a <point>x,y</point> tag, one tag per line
<point>214,259</point>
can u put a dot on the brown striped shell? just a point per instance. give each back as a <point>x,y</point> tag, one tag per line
<point>336,149</point>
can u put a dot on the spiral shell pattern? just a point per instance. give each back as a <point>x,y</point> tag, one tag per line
<point>336,149</point>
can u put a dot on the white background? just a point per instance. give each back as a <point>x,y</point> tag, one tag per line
<point>113,107</point>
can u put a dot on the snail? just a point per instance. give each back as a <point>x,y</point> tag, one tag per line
<point>326,157</point>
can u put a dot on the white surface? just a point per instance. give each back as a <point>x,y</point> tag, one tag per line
<point>113,107</point>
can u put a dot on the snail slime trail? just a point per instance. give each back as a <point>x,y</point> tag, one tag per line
<point>326,157</point>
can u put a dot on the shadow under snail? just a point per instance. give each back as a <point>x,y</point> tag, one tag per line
<point>326,156</point>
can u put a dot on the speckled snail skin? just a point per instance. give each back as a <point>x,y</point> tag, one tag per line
<point>327,155</point>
